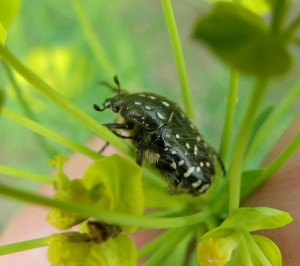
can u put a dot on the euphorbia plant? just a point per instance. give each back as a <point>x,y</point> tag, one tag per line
<point>110,197</point>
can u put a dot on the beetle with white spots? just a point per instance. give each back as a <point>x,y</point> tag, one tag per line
<point>165,137</point>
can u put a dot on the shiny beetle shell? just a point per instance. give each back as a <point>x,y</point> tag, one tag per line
<point>165,137</point>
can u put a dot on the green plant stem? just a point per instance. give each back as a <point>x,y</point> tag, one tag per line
<point>10,171</point>
<point>69,107</point>
<point>26,108</point>
<point>245,251</point>
<point>34,126</point>
<point>256,249</point>
<point>272,120</point>
<point>177,50</point>
<point>230,113</point>
<point>21,246</point>
<point>152,245</point>
<point>274,166</point>
<point>241,142</point>
<point>166,247</point>
<point>103,215</point>
<point>93,42</point>
<point>61,101</point>
<point>279,10</point>
<point>292,27</point>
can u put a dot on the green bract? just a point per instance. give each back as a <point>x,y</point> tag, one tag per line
<point>242,39</point>
<point>2,34</point>
<point>231,243</point>
<point>112,183</point>
<point>258,6</point>
<point>76,249</point>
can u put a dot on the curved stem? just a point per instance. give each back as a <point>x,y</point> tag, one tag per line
<point>177,50</point>
<point>103,215</point>
<point>24,245</point>
<point>95,45</point>
<point>10,171</point>
<point>36,127</point>
<point>230,113</point>
<point>61,101</point>
<point>241,142</point>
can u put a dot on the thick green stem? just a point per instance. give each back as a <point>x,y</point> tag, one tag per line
<point>177,50</point>
<point>95,45</point>
<point>272,120</point>
<point>34,126</point>
<point>103,215</point>
<point>240,144</point>
<point>6,170</point>
<point>24,245</point>
<point>274,166</point>
<point>230,113</point>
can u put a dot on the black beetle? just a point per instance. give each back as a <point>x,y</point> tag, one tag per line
<point>165,137</point>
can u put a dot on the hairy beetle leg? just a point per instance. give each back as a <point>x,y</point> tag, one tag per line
<point>112,126</point>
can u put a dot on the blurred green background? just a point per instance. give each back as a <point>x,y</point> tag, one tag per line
<point>47,37</point>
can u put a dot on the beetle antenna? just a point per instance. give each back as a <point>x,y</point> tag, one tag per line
<point>116,80</point>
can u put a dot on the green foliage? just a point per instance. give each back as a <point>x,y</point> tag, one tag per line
<point>242,39</point>
<point>76,249</point>
<point>225,244</point>
<point>112,183</point>
<point>111,188</point>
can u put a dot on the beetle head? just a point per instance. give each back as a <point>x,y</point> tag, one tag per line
<point>115,102</point>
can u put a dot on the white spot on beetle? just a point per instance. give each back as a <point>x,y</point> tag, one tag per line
<point>143,117</point>
<point>207,164</point>
<point>185,153</point>
<point>143,95</point>
<point>203,188</point>
<point>181,162</point>
<point>177,136</point>
<point>107,104</point>
<point>189,171</point>
<point>160,115</point>
<point>166,104</point>
<point>198,138</point>
<point>152,97</point>
<point>173,165</point>
<point>137,103</point>
<point>182,115</point>
<point>187,145</point>
<point>201,164</point>
<point>166,149</point>
<point>173,152</point>
<point>148,107</point>
<point>195,150</point>
<point>167,135</point>
<point>198,169</point>
<point>192,126</point>
<point>197,183</point>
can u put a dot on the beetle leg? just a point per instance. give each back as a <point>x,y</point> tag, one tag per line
<point>113,126</point>
<point>139,157</point>
<point>119,126</point>
<point>104,147</point>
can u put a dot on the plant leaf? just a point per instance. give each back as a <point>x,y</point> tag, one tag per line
<point>114,183</point>
<point>259,218</point>
<point>8,11</point>
<point>257,6</point>
<point>75,249</point>
<point>242,39</point>
<point>269,248</point>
